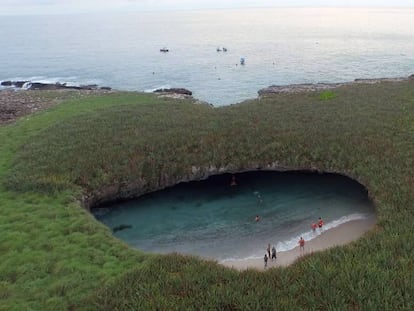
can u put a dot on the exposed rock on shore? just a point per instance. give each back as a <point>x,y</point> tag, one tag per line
<point>15,104</point>
<point>181,91</point>
<point>49,86</point>
<point>21,101</point>
<point>176,93</point>
<point>311,87</point>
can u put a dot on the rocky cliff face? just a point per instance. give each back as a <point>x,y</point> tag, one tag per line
<point>134,189</point>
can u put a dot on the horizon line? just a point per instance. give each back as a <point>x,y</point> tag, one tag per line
<point>125,10</point>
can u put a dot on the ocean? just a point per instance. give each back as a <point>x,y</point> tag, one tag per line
<point>215,220</point>
<point>280,46</point>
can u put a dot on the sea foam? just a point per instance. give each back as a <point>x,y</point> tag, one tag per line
<point>152,90</point>
<point>291,243</point>
<point>69,81</point>
<point>310,234</point>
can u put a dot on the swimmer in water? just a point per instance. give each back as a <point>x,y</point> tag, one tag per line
<point>258,197</point>
<point>320,223</point>
<point>257,218</point>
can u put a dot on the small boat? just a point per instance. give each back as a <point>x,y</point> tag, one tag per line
<point>218,50</point>
<point>241,60</point>
<point>224,49</point>
<point>165,50</point>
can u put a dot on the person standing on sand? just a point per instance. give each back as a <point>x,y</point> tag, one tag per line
<point>301,244</point>
<point>265,260</point>
<point>268,250</point>
<point>273,253</point>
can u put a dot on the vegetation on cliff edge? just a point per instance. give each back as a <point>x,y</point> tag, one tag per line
<point>55,255</point>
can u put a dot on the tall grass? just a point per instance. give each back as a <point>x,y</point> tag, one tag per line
<point>56,256</point>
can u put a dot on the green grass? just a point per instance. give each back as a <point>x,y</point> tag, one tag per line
<point>56,256</point>
<point>326,95</point>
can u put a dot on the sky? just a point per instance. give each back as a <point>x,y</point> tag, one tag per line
<point>23,7</point>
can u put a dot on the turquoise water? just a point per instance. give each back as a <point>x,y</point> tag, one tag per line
<point>212,219</point>
<point>280,45</point>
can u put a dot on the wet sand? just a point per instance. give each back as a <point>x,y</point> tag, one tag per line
<point>341,235</point>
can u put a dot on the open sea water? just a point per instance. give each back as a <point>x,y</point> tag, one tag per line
<point>280,46</point>
<point>214,220</point>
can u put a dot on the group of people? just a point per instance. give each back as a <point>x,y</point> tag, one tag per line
<point>270,254</point>
<point>319,224</point>
<point>301,243</point>
<point>314,225</point>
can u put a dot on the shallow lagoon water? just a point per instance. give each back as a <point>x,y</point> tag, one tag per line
<point>212,219</point>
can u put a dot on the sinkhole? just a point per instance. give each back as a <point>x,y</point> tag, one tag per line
<point>215,218</point>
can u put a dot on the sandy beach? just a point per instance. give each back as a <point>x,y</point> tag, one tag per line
<point>341,235</point>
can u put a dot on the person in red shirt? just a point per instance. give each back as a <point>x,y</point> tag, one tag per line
<point>320,223</point>
<point>301,244</point>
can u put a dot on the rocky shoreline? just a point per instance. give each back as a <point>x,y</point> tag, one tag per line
<point>29,85</point>
<point>15,104</point>
<point>180,91</point>
<point>312,87</point>
<point>20,98</point>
